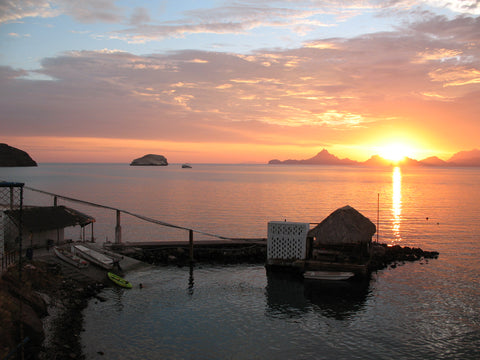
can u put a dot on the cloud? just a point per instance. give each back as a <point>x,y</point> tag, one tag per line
<point>457,76</point>
<point>437,55</point>
<point>90,11</point>
<point>330,88</point>
<point>19,9</point>
<point>237,18</point>
<point>460,29</point>
<point>139,16</point>
<point>85,11</point>
<point>462,6</point>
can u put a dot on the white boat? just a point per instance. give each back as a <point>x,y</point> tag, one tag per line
<point>70,258</point>
<point>93,256</point>
<point>328,275</point>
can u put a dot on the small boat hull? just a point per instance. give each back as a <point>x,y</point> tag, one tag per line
<point>93,256</point>
<point>70,258</point>
<point>119,280</point>
<point>328,275</point>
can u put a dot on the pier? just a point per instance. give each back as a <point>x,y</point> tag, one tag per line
<point>188,252</point>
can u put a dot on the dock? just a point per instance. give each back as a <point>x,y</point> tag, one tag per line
<point>188,252</point>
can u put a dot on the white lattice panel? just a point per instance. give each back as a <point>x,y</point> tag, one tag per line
<point>287,240</point>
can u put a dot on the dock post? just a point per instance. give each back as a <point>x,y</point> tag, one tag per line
<point>11,199</point>
<point>190,241</point>
<point>118,230</point>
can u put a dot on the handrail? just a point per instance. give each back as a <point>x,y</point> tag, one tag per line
<point>142,217</point>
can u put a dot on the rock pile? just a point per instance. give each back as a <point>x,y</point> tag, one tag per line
<point>384,255</point>
<point>25,305</point>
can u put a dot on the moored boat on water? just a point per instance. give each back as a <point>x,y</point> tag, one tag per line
<point>69,257</point>
<point>328,275</point>
<point>93,256</point>
<point>119,280</point>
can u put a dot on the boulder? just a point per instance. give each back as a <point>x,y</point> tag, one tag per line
<point>150,160</point>
<point>10,156</point>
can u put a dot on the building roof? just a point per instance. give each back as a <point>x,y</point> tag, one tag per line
<point>49,218</point>
<point>344,226</point>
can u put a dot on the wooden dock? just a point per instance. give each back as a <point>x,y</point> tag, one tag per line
<point>186,243</point>
<point>183,252</point>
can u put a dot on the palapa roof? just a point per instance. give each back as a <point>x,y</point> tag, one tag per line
<point>49,218</point>
<point>344,226</point>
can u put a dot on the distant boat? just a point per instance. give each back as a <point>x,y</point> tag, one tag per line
<point>93,256</point>
<point>70,258</point>
<point>186,166</point>
<point>119,280</point>
<point>328,275</point>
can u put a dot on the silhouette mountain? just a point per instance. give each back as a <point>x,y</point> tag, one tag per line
<point>322,158</point>
<point>462,158</point>
<point>434,161</point>
<point>466,158</point>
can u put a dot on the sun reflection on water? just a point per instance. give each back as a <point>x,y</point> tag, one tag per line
<point>396,203</point>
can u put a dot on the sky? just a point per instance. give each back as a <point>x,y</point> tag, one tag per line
<point>239,81</point>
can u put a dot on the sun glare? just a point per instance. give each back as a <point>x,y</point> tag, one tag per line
<point>395,152</point>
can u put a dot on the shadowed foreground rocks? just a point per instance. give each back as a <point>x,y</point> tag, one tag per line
<point>42,296</point>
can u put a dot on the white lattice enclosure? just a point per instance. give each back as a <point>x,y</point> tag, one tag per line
<point>287,240</point>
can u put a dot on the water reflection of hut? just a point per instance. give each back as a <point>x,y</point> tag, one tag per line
<point>344,237</point>
<point>287,296</point>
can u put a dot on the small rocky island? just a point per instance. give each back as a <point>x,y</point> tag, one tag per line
<point>150,160</point>
<point>10,156</point>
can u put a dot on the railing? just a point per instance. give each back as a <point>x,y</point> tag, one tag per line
<point>8,258</point>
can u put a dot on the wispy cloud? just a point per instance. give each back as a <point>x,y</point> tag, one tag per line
<point>16,35</point>
<point>86,11</point>
<point>417,74</point>
<point>336,84</point>
<point>20,9</point>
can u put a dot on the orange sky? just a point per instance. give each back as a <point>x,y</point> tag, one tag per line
<point>407,74</point>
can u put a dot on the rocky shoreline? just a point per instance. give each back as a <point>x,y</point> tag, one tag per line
<point>43,311</point>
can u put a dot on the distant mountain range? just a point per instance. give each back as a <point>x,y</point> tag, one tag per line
<point>462,158</point>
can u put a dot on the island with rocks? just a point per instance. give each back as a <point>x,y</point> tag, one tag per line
<point>12,157</point>
<point>150,160</point>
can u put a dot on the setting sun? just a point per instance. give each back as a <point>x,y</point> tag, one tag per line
<point>395,152</point>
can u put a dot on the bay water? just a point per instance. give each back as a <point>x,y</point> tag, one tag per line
<point>421,310</point>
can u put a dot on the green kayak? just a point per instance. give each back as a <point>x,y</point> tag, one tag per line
<point>119,281</point>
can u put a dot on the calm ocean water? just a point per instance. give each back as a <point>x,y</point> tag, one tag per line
<point>421,310</point>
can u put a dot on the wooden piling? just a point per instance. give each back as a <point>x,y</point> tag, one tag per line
<point>190,242</point>
<point>118,230</point>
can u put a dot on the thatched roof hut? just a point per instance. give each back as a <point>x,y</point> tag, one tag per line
<point>345,226</point>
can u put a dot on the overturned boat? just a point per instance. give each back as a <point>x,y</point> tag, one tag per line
<point>69,257</point>
<point>93,256</point>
